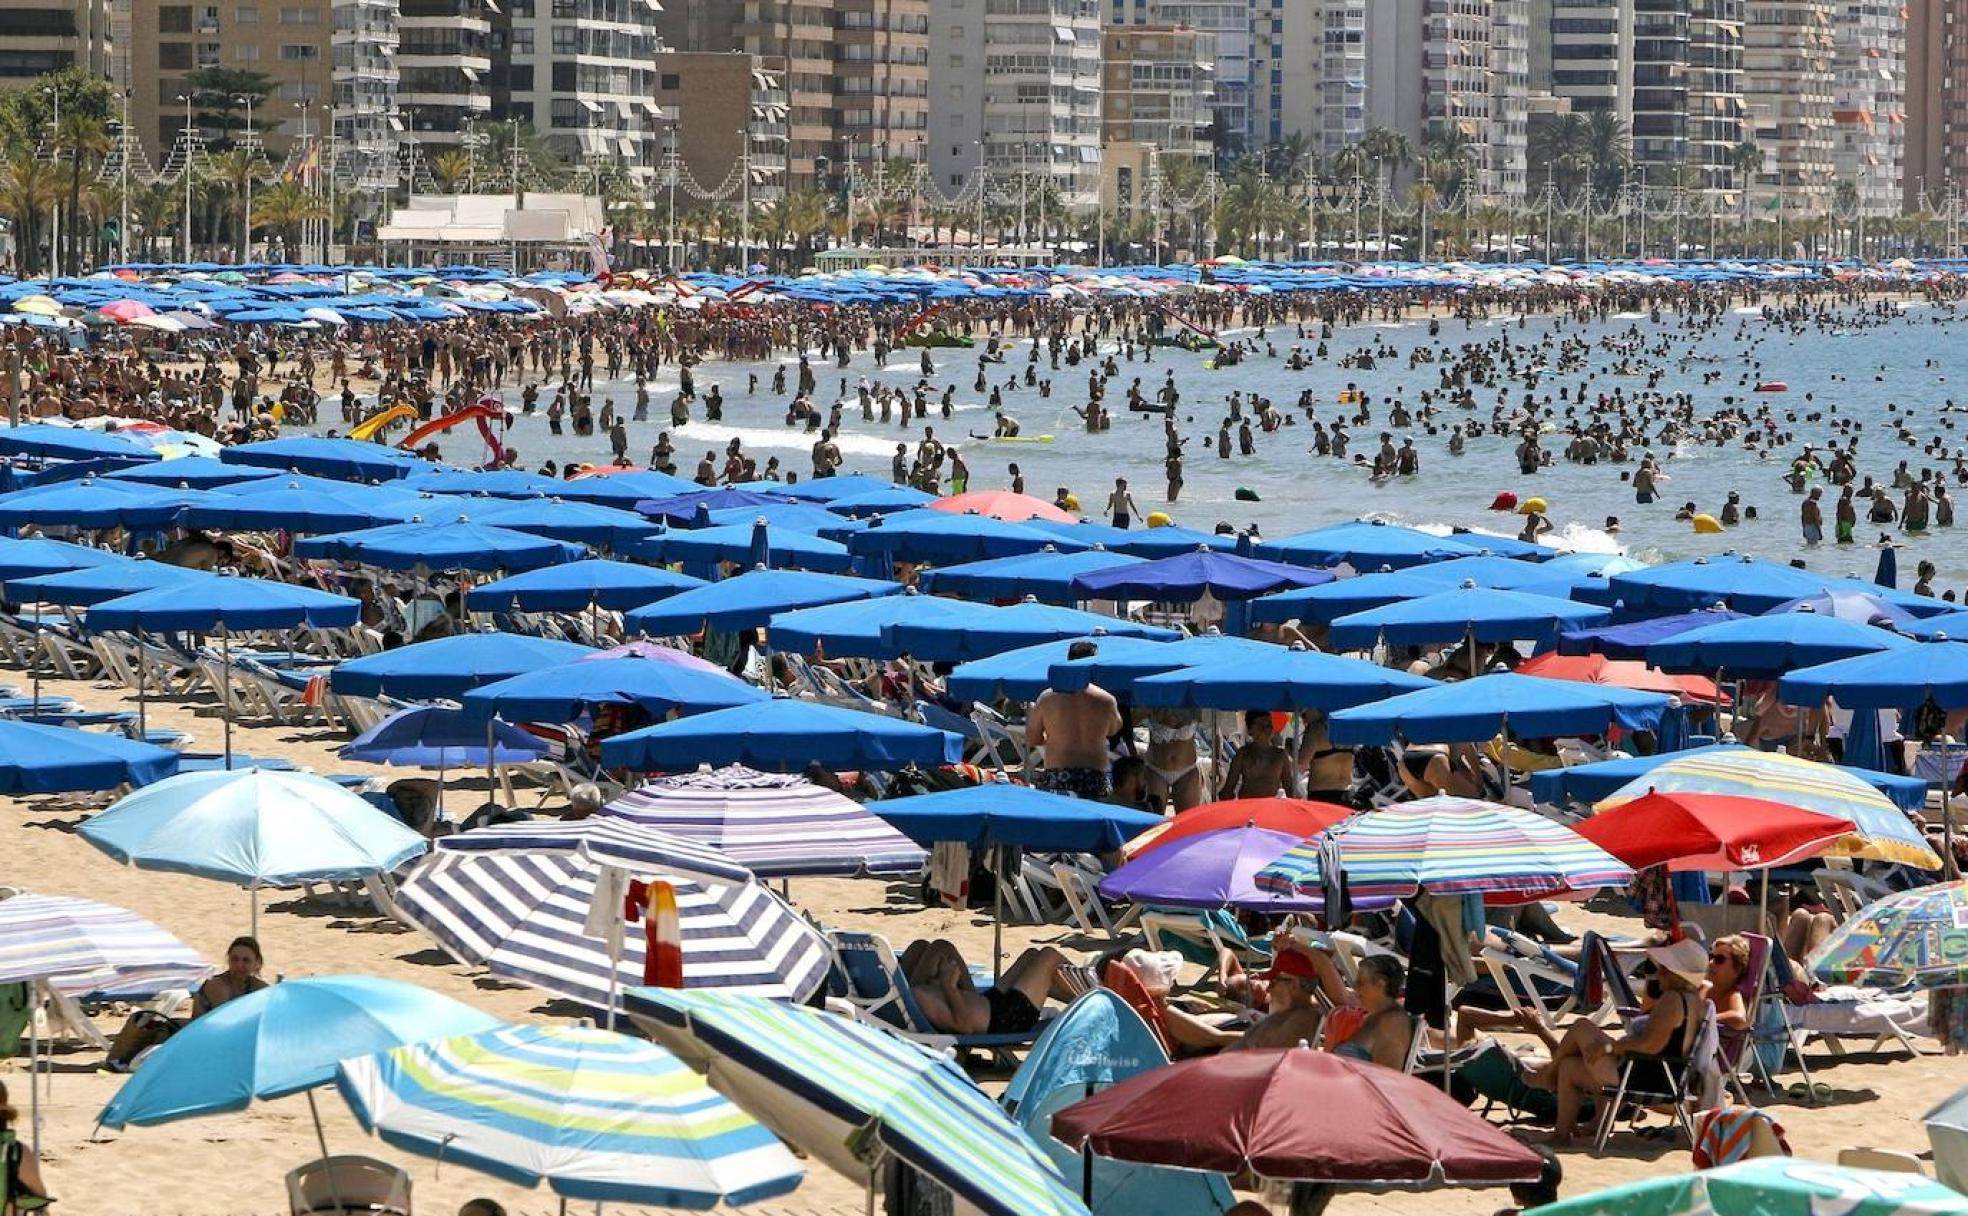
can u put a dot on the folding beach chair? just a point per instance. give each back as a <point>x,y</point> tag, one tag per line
<point>880,994</point>
<point>1689,1089</point>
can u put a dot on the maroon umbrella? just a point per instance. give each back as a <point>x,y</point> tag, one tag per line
<point>1294,1114</point>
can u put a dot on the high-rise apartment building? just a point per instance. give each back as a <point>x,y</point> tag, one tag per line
<point>42,36</point>
<point>1869,114</point>
<point>288,41</point>
<point>1155,89</point>
<point>1716,72</point>
<point>702,93</point>
<point>1788,91</point>
<point>583,74</point>
<point>443,60</point>
<point>367,121</point>
<point>1238,29</point>
<point>1468,88</point>
<point>855,72</point>
<point>1017,88</point>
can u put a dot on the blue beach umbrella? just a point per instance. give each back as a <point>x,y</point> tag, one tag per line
<point>284,1039</point>
<point>750,600</point>
<point>425,736</point>
<point>216,602</point>
<point>1169,541</point>
<point>857,630</point>
<point>1485,614</point>
<point>1590,783</point>
<point>1473,711</point>
<point>783,517</point>
<point>741,543</point>
<point>595,1115</point>
<point>92,503</point>
<point>1765,647</point>
<point>1045,576</point>
<point>1900,678</point>
<point>1188,577</point>
<point>1949,626</point>
<point>1296,679</point>
<point>1014,816</point>
<point>1631,640</point>
<point>824,489</point>
<point>945,537</point>
<point>1025,673</point>
<point>456,544</point>
<point>579,586</point>
<point>1327,602</point>
<point>625,490</point>
<point>984,631</point>
<point>1116,667</point>
<point>80,588</point>
<point>1744,584</point>
<point>565,692</point>
<point>782,735</point>
<point>1366,545</point>
<point>342,459</point>
<point>36,759</point>
<point>1861,607</point>
<point>450,667</point>
<point>189,472</point>
<point>291,506</point>
<point>684,508</point>
<point>493,483</point>
<point>581,523</point>
<point>69,443</point>
<point>883,500</point>
<point>32,558</point>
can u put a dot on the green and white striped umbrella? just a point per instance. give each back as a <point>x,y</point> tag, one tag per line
<point>1770,1186</point>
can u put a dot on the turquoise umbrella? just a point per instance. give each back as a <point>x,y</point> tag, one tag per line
<point>596,1115</point>
<point>1770,1186</point>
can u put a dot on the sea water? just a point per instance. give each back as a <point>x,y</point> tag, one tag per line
<point>1858,371</point>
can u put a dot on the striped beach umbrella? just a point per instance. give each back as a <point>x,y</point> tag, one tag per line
<point>1884,832</point>
<point>595,1115</point>
<point>1448,846</point>
<point>849,1094</point>
<point>778,826</point>
<point>84,947</point>
<point>523,914</point>
<point>635,847</point>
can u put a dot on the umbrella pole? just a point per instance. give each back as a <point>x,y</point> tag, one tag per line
<point>143,667</point>
<point>321,1138</point>
<point>1469,640</point>
<point>997,912</point>
<point>253,901</point>
<point>34,1068</point>
<point>492,782</point>
<point>1086,1171</point>
<point>225,696</point>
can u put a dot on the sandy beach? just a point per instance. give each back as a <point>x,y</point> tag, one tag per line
<point>236,1163</point>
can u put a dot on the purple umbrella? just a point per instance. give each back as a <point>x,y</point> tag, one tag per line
<point>642,649</point>
<point>1209,870</point>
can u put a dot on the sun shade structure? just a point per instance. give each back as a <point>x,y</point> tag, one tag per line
<point>1473,711</point>
<point>81,947</point>
<point>342,459</point>
<point>458,543</point>
<point>782,735</point>
<point>751,600</point>
<point>579,586</point>
<point>1366,545</point>
<point>450,667</point>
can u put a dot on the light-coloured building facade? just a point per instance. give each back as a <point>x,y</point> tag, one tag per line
<point>1240,30</point>
<point>1788,93</point>
<point>443,60</point>
<point>583,74</point>
<point>1156,88</point>
<point>42,36</point>
<point>1869,113</point>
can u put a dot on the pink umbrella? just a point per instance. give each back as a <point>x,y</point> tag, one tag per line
<point>126,311</point>
<point>661,654</point>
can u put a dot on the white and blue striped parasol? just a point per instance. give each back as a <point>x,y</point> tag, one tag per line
<point>82,947</point>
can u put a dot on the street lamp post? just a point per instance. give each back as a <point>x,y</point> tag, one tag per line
<point>123,182</point>
<point>185,170</point>
<point>671,240</point>
<point>745,199</point>
<point>247,244</point>
<point>978,233</point>
<point>54,147</point>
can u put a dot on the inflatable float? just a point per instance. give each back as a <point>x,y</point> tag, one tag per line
<point>1773,386</point>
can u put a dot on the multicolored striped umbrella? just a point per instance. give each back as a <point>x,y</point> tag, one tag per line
<point>1885,833</point>
<point>522,914</point>
<point>1448,846</point>
<point>1912,937</point>
<point>82,947</point>
<point>847,1093</point>
<point>778,826</point>
<point>597,1116</point>
<point>1770,1186</point>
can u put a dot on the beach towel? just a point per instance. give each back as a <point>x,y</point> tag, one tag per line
<point>949,872</point>
<point>1729,1134</point>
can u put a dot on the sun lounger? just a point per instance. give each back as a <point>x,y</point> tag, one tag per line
<point>880,994</point>
<point>1842,1011</point>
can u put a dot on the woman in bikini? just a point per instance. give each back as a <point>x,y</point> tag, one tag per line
<point>1173,762</point>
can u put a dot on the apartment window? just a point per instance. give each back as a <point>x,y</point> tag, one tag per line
<point>519,78</point>
<point>522,41</point>
<point>174,56</point>
<point>564,78</point>
<point>246,14</point>
<point>174,19</point>
<point>565,39</point>
<point>246,52</point>
<point>671,82</point>
<point>300,16</point>
<point>299,52</point>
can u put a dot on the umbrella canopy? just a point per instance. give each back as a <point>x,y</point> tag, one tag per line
<point>1014,815</point>
<point>30,558</point>
<point>1298,818</point>
<point>1327,602</point>
<point>1900,678</point>
<point>577,522</point>
<point>1712,832</point>
<point>1744,584</point>
<point>1770,1186</point>
<point>1631,640</point>
<point>595,1115</point>
<point>83,947</point>
<point>683,508</point>
<point>459,544</point>
<point>1947,1131</point>
<point>577,586</point>
<point>1591,782</point>
<point>341,459</point>
<point>858,629</point>
<point>279,1041</point>
<point>223,602</point>
<point>1486,613</point>
<point>829,1086</point>
<point>751,600</point>
<point>750,544</point>
<point>69,443</point>
<point>1044,576</point>
<point>1450,846</point>
<point>1120,662</point>
<point>943,538</point>
<point>522,913</point>
<point>1002,504</point>
<point>782,735</point>
<point>1295,679</point>
<point>37,759</point>
<point>449,667</point>
<point>882,500</point>
<point>1025,673</point>
<point>1187,577</point>
<point>428,737</point>
<point>625,490</point>
<point>1209,870</point>
<point>983,631</point>
<point>1622,673</point>
<point>1861,607</point>
<point>1884,833</point>
<point>634,847</point>
<point>566,692</point>
<point>95,584</point>
<point>1473,711</point>
<point>493,483</point>
<point>1366,545</point>
<point>778,826</point>
<point>1765,647</point>
<point>96,504</point>
<point>1300,1115</point>
<point>252,827</point>
<point>1906,939</point>
<point>291,506</point>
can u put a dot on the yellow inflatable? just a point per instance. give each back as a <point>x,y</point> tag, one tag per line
<point>1533,506</point>
<point>1073,503</point>
<point>373,425</point>
<point>1351,396</point>
<point>1706,525</point>
<point>1159,519</point>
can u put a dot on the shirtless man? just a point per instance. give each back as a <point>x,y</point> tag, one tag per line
<point>1261,769</point>
<point>1292,1014</point>
<point>1073,728</point>
<point>950,1000</point>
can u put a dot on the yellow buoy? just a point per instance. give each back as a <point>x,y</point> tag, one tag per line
<point>1159,519</point>
<point>1707,525</point>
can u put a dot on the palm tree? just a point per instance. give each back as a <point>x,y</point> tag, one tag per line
<point>806,220</point>
<point>29,188</point>
<point>84,138</point>
<point>1557,148</point>
<point>101,201</point>
<point>235,171</point>
<point>452,170</point>
<point>1608,146</point>
<point>1387,150</point>
<point>153,205</point>
<point>286,206</point>
<point>1746,159</point>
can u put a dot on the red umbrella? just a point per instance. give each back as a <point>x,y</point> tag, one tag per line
<point>1689,831</point>
<point>1292,816</point>
<point>1622,673</point>
<point>1002,504</point>
<point>1294,1114</point>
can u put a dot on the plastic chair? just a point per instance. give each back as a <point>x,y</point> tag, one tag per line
<point>1863,1158</point>
<point>348,1185</point>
